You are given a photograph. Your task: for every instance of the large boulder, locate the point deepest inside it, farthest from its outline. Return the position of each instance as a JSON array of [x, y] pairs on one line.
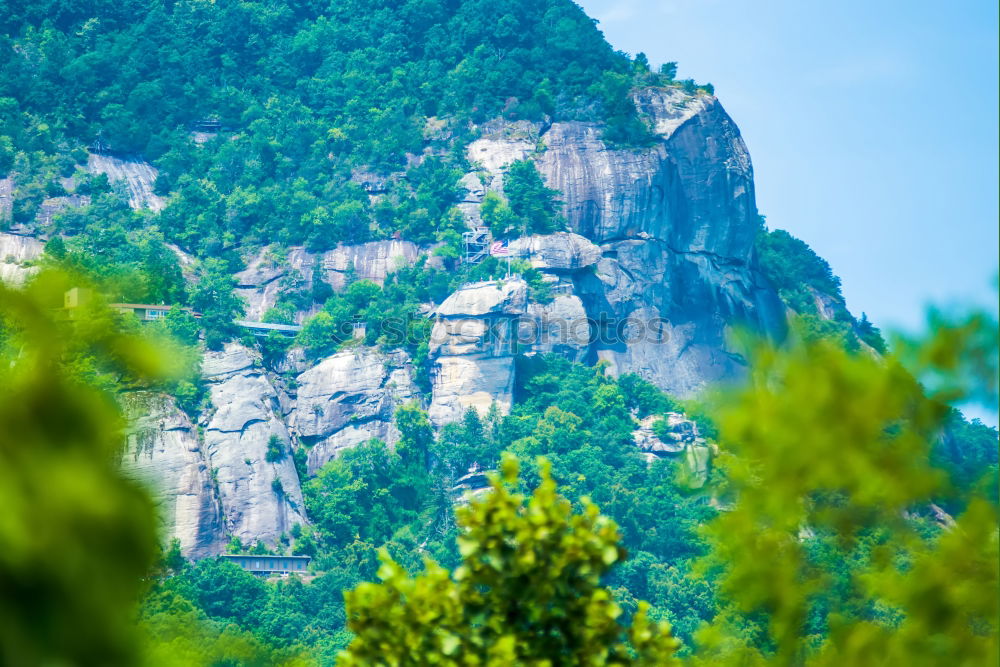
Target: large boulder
[[260, 499], [483, 299], [164, 451], [349, 398], [559, 252], [472, 345]]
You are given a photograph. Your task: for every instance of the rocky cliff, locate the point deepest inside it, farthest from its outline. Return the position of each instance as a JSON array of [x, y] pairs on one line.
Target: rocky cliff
[[266, 274], [260, 498], [347, 399], [133, 174], [17, 253], [653, 270], [165, 451], [668, 231]]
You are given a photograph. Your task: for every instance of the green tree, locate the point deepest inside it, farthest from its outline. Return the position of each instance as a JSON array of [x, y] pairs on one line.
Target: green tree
[[827, 455], [528, 592], [537, 206], [499, 217], [214, 297], [275, 449]]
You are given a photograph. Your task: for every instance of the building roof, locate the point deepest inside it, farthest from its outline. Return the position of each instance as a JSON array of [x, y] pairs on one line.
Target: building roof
[[265, 556], [268, 325], [157, 306]]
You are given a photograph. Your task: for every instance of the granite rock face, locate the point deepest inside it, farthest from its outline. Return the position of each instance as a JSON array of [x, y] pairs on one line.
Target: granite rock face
[[215, 482], [163, 450], [260, 500], [661, 250], [559, 252], [559, 327], [16, 252], [349, 398], [653, 271], [135, 175], [261, 282], [472, 345]]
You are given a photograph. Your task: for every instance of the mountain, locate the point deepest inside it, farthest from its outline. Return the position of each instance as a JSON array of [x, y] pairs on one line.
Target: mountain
[[398, 238], [659, 238], [267, 178]]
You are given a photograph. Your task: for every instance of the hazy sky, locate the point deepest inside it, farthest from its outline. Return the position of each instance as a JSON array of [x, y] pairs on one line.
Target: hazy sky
[[872, 127]]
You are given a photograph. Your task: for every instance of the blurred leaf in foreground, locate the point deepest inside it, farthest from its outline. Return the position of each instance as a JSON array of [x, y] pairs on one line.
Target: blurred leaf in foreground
[[76, 536], [829, 544]]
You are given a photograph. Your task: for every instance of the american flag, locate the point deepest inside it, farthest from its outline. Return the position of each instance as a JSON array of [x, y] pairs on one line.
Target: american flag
[[499, 249]]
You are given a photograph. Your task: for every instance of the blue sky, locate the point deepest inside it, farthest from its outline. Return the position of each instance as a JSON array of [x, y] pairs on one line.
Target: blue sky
[[872, 127]]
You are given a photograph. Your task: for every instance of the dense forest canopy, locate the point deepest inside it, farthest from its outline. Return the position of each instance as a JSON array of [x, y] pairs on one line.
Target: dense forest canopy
[[295, 99]]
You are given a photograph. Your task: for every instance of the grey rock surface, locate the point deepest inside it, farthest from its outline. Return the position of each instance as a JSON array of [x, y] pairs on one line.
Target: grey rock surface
[[562, 251], [16, 253], [163, 450], [662, 244], [349, 398], [559, 327], [261, 282], [260, 500], [135, 174], [472, 345]]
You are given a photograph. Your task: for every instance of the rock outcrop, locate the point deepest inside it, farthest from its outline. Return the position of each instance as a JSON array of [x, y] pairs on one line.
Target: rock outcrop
[[557, 253], [164, 451], [674, 224], [134, 174], [16, 254], [680, 438], [472, 344], [349, 398], [266, 274], [367, 261], [260, 499], [680, 433]]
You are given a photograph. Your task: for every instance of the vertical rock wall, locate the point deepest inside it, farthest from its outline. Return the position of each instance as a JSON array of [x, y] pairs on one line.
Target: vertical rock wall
[[472, 344], [164, 451], [260, 499], [674, 225]]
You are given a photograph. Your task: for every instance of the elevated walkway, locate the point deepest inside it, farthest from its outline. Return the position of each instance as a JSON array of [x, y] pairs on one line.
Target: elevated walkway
[[263, 329]]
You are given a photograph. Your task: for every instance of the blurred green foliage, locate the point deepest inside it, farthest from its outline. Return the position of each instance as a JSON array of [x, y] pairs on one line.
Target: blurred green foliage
[[77, 536], [829, 547]]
